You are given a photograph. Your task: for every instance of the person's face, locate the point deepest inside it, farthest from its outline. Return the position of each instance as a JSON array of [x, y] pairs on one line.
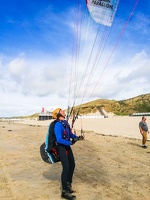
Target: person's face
[[62, 112]]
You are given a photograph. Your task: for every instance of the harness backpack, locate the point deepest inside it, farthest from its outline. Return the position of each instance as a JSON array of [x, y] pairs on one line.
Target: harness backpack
[[48, 150]]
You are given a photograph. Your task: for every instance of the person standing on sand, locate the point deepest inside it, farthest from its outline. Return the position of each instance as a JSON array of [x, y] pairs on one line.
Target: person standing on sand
[[65, 138], [143, 130]]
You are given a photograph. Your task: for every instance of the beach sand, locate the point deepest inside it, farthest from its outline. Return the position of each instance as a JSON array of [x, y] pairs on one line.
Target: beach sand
[[110, 163]]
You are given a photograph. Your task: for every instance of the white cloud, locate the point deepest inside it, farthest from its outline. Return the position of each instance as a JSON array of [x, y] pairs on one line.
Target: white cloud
[[17, 66], [45, 82], [131, 79]]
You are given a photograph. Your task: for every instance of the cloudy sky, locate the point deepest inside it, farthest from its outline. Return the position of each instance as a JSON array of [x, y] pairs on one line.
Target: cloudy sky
[[52, 53]]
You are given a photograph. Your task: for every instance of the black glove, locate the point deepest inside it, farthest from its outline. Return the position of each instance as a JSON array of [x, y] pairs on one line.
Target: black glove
[[74, 140]]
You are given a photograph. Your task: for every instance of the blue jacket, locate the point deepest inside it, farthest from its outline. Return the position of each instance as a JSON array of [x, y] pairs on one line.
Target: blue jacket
[[63, 133]]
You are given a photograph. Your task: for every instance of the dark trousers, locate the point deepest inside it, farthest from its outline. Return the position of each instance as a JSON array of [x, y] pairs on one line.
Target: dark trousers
[[68, 165]]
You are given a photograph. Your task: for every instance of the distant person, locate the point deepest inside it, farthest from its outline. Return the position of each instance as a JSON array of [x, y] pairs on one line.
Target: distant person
[[143, 130], [65, 138]]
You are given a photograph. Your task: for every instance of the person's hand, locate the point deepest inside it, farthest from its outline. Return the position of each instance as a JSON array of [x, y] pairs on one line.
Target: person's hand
[[74, 140]]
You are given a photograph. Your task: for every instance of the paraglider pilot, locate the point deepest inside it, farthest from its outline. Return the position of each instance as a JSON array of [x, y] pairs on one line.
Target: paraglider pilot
[[65, 138]]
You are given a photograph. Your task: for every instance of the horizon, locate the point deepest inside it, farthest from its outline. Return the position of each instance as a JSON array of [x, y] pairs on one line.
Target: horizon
[[50, 109]]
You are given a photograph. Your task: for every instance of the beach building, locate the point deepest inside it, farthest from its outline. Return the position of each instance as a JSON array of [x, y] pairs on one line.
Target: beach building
[[45, 115]]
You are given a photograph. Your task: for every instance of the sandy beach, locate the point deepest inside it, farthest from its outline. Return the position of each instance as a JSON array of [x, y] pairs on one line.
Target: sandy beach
[[110, 163]]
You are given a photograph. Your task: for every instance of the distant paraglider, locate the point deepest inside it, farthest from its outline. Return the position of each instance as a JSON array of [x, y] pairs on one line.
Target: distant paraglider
[[102, 11]]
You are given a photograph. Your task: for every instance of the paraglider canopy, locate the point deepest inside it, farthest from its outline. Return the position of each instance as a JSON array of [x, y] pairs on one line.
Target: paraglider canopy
[[102, 11]]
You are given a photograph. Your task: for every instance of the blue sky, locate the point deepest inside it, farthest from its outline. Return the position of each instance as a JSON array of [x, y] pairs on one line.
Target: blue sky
[[46, 56]]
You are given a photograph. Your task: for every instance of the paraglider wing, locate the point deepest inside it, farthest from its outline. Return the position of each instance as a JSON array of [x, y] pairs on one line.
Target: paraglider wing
[[102, 11]]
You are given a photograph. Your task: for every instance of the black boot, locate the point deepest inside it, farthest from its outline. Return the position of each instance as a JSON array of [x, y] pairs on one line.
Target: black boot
[[70, 188], [67, 195]]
